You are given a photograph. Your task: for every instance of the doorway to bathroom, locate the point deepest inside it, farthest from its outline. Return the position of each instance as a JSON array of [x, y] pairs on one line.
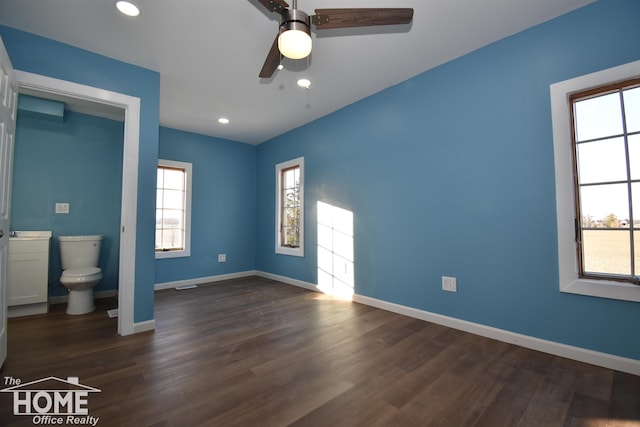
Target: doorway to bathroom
[[104, 103]]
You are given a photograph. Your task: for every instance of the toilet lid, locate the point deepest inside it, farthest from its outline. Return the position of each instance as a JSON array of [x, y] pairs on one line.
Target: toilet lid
[[77, 272]]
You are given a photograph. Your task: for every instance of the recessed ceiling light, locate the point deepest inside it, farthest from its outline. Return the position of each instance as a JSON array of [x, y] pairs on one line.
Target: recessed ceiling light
[[280, 67], [223, 120], [127, 8], [305, 83]]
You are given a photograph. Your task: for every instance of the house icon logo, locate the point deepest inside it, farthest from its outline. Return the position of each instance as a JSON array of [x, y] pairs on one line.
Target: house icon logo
[[52, 400]]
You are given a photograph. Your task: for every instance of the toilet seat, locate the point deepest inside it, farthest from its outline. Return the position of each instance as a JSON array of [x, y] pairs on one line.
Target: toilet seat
[[80, 272], [81, 275]]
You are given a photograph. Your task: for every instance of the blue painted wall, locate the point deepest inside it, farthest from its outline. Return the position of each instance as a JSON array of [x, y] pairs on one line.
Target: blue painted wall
[[448, 173], [43, 56], [452, 173], [78, 161], [223, 205]]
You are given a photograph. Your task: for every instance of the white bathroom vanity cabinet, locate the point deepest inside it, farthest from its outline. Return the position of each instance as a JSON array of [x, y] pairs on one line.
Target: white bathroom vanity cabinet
[[28, 273]]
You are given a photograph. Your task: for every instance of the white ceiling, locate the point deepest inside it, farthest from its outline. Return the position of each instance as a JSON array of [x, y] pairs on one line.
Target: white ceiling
[[209, 53]]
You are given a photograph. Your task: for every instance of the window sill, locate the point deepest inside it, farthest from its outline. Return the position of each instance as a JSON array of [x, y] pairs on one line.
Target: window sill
[[282, 250], [172, 254], [603, 289]]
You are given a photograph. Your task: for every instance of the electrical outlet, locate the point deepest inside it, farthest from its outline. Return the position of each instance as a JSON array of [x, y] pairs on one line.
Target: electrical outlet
[[62, 208], [222, 257], [449, 284]]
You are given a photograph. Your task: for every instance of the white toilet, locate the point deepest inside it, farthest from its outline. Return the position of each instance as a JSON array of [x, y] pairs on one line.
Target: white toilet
[[79, 256]]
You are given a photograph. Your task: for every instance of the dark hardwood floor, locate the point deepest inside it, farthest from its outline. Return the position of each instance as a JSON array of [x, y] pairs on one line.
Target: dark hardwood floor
[[255, 352]]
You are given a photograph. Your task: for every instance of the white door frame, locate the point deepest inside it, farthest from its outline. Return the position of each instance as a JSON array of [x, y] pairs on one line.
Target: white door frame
[[131, 107]]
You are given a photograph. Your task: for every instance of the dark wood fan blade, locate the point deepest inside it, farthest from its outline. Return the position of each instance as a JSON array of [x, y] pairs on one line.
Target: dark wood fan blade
[[274, 5], [343, 18], [273, 60]]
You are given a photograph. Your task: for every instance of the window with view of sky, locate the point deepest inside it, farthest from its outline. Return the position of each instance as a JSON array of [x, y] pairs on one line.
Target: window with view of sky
[[173, 209], [606, 131]]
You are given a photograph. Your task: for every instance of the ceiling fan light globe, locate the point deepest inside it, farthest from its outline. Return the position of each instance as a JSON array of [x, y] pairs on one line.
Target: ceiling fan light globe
[[294, 44]]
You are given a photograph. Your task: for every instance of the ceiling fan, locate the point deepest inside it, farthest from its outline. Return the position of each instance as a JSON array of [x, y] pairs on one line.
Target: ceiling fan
[[294, 36]]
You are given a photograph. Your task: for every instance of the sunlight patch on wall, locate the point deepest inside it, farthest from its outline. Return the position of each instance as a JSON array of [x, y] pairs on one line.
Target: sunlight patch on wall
[[335, 251]]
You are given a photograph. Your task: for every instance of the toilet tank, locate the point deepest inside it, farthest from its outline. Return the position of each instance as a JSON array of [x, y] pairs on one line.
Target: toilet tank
[[79, 251]]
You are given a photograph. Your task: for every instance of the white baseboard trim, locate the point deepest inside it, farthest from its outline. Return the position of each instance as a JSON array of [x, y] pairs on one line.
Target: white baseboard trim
[[147, 325], [203, 280], [289, 281], [60, 299], [605, 360]]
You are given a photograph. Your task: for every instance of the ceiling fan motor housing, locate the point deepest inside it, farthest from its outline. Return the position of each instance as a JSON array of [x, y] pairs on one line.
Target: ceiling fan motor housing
[[293, 19]]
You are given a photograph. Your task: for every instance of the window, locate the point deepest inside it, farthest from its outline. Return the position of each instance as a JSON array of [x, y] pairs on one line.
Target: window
[[290, 207], [173, 209], [606, 138], [596, 131]]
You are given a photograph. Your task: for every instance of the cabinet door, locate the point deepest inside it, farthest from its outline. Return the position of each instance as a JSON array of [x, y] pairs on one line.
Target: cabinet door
[[27, 278]]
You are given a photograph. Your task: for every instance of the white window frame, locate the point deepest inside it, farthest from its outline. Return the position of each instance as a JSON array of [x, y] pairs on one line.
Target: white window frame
[[187, 167], [570, 281], [284, 250]]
